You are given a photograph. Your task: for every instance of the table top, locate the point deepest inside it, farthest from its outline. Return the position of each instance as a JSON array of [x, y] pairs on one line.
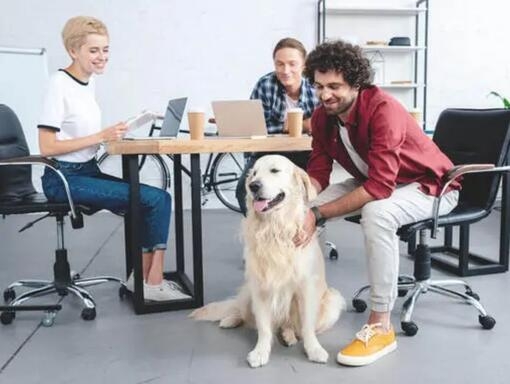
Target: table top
[[210, 145]]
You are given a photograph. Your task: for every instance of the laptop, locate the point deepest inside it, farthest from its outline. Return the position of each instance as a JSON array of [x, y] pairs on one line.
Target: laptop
[[171, 121], [239, 118]]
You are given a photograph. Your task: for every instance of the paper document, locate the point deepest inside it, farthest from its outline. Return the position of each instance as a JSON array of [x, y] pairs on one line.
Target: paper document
[[140, 120]]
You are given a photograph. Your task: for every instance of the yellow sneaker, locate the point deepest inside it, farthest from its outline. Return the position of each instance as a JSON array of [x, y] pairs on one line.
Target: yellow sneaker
[[370, 344]]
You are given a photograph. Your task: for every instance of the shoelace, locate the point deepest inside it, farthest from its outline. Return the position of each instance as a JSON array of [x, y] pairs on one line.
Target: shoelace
[[172, 285], [366, 332]]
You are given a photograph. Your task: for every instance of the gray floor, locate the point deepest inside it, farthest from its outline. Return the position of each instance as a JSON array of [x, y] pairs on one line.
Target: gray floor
[[120, 346]]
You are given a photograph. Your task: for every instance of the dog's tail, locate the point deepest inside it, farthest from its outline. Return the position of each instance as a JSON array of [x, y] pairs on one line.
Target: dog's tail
[[332, 304], [226, 312], [214, 311]]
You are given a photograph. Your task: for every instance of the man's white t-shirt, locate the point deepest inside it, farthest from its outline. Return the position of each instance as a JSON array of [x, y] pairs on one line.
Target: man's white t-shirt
[[290, 104], [70, 109], [355, 157]]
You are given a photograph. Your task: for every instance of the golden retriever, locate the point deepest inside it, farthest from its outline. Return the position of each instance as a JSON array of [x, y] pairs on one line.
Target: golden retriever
[[285, 288]]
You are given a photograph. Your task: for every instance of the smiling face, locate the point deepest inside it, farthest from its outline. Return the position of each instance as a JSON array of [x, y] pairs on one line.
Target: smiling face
[[288, 65], [274, 183], [334, 93], [91, 57], [268, 183]]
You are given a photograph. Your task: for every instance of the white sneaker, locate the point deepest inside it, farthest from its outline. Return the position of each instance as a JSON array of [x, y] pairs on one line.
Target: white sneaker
[[130, 283], [167, 290]]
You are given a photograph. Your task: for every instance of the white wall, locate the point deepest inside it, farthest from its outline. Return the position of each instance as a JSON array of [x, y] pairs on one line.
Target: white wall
[[469, 55], [217, 49], [161, 49]]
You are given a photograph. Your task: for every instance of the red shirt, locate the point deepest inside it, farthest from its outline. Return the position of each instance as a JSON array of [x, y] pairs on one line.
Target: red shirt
[[389, 141]]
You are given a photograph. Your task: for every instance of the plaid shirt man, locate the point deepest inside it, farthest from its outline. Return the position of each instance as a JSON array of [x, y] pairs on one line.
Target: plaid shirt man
[[272, 94]]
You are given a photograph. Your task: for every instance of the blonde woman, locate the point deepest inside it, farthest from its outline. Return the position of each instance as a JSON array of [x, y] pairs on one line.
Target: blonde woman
[[70, 132]]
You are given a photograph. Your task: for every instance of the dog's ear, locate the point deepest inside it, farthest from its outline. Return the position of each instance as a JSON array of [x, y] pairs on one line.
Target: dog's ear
[[247, 181], [304, 181]]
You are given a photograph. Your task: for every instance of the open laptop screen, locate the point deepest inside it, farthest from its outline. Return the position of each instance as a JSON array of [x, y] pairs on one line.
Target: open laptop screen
[[239, 118], [173, 117]]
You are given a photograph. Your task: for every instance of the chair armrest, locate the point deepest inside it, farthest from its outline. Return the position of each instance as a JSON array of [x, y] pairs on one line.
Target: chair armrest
[[459, 170], [33, 160], [454, 174], [50, 163]]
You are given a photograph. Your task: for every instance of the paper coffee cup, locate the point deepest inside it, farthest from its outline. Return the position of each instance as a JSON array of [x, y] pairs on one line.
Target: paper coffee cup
[[196, 123], [295, 122], [417, 115]]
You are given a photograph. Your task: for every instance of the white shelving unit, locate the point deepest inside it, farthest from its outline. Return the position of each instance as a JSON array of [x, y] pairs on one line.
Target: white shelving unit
[[336, 10], [392, 48], [400, 70], [400, 86]]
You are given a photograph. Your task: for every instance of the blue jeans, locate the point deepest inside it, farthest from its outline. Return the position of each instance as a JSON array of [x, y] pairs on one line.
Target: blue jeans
[[90, 187]]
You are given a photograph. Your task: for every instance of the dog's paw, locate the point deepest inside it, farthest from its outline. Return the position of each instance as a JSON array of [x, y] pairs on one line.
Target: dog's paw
[[288, 337], [317, 354], [257, 358], [231, 321]]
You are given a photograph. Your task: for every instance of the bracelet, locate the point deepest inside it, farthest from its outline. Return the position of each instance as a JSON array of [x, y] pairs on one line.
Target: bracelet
[[319, 219]]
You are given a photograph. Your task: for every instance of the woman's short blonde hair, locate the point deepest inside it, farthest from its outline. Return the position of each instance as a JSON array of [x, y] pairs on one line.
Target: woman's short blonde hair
[[78, 28]]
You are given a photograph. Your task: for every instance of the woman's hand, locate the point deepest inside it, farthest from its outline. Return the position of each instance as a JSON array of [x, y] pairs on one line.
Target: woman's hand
[[114, 133]]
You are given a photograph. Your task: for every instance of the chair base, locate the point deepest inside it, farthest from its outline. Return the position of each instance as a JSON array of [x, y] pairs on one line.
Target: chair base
[[74, 285], [409, 286], [459, 260]]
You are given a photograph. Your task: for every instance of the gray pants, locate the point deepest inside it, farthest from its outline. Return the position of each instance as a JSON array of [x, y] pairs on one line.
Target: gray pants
[[380, 220]]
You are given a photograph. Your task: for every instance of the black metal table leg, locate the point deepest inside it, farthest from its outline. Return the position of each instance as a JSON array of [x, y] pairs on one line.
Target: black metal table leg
[[196, 218], [132, 226], [132, 222]]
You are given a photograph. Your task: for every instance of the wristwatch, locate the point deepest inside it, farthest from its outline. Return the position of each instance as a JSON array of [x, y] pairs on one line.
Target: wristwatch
[[319, 219]]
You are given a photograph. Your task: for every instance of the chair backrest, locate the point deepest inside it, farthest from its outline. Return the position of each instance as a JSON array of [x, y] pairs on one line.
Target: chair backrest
[[15, 180], [475, 136]]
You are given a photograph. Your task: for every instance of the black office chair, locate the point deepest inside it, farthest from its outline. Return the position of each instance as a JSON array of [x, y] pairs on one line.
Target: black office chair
[[477, 142], [18, 196]]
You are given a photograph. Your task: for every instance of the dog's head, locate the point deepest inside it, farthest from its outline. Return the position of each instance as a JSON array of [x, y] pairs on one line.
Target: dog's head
[[274, 182]]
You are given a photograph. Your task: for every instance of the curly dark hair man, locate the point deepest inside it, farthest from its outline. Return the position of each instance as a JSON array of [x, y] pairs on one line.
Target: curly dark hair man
[[375, 139], [342, 57]]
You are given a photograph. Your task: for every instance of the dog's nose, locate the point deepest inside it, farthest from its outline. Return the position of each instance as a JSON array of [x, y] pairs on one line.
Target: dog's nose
[[255, 186]]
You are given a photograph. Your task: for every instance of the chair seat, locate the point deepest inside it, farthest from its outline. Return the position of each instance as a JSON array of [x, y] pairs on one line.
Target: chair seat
[[37, 202], [462, 214]]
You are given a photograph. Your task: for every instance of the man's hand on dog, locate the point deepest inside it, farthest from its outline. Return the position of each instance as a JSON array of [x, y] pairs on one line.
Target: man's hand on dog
[[306, 232]]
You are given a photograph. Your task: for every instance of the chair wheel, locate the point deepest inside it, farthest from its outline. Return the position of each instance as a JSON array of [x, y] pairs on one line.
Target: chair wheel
[[88, 313], [359, 305], [7, 317], [473, 295], [333, 254], [123, 291], [49, 318], [402, 292], [9, 295], [409, 327], [487, 322]]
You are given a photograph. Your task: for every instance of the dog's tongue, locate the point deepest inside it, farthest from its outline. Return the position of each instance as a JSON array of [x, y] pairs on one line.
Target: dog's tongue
[[260, 205]]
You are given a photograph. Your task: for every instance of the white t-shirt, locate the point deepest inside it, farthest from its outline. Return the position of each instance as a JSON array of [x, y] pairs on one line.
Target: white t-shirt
[[290, 103], [70, 108], [355, 157]]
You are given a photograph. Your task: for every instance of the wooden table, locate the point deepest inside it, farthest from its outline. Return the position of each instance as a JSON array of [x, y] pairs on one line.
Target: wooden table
[[130, 150]]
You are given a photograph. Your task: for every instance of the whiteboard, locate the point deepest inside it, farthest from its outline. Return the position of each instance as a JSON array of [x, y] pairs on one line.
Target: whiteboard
[[23, 79]]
